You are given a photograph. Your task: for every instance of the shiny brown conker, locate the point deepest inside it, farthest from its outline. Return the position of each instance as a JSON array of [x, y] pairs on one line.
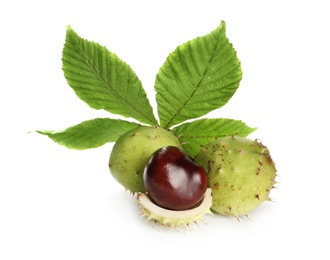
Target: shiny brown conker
[[173, 180]]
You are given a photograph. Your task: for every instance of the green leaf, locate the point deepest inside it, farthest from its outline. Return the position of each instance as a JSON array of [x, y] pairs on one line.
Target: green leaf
[[103, 81], [199, 76], [193, 135], [91, 133]]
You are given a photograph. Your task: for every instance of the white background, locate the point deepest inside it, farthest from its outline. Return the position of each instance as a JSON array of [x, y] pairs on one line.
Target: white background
[[57, 203]]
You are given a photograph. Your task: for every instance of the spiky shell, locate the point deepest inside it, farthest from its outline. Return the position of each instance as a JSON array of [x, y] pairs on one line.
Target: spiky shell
[[173, 218], [132, 151], [241, 174]]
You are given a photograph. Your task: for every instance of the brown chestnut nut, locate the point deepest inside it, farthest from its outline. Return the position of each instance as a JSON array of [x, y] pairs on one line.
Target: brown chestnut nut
[[173, 180]]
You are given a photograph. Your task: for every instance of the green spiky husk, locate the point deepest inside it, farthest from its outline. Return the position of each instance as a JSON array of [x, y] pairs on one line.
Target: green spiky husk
[[132, 151], [241, 174]]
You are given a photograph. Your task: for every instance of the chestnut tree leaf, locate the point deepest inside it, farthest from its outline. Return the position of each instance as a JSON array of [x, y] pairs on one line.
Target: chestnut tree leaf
[[193, 135], [197, 77], [91, 133], [101, 79]]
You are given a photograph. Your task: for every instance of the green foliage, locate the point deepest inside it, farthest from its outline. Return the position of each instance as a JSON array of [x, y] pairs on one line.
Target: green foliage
[[199, 76], [198, 133], [91, 133], [103, 81]]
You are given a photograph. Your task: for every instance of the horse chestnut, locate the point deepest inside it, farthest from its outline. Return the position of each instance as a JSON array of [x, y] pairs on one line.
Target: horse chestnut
[[132, 151], [173, 180]]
